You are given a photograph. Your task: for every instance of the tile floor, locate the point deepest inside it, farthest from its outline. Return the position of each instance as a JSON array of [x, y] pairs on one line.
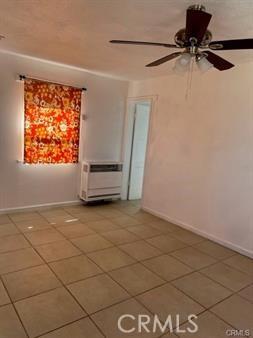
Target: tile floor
[[72, 271]]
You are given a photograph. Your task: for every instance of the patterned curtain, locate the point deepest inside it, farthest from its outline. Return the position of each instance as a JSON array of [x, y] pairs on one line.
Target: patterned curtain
[[52, 119]]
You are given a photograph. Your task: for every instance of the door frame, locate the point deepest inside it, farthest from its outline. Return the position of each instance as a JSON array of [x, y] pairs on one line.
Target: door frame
[[128, 138]]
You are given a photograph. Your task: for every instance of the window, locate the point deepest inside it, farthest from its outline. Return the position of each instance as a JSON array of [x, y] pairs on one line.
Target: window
[[52, 120]]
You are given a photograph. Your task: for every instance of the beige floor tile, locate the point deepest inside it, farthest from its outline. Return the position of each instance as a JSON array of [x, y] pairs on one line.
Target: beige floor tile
[[54, 212], [83, 328], [33, 225], [136, 278], [102, 225], [111, 258], [247, 293], [8, 229], [44, 236], [10, 326], [169, 335], [125, 221], [236, 311], [209, 326], [164, 226], [48, 311], [130, 210], [76, 268], [202, 289], [187, 237], [167, 300], [4, 219], [120, 236], [91, 243], [140, 250], [166, 243], [193, 257], [13, 242], [90, 216], [167, 267], [61, 220], [227, 276], [30, 282], [97, 293], [144, 231], [82, 213], [144, 216], [4, 298], [107, 320], [23, 216], [18, 260], [75, 230], [69, 221], [214, 249], [109, 213], [242, 263], [57, 250], [78, 214]]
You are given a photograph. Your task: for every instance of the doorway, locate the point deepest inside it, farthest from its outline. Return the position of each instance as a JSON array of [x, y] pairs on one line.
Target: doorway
[[136, 139]]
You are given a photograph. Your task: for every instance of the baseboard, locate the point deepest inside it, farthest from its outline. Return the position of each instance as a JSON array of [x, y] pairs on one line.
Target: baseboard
[[39, 206], [186, 226]]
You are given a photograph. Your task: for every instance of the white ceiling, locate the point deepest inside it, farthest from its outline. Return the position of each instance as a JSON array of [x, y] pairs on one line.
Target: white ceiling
[[76, 32]]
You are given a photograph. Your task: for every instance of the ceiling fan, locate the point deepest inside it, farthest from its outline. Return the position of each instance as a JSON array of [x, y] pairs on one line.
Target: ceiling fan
[[193, 39]]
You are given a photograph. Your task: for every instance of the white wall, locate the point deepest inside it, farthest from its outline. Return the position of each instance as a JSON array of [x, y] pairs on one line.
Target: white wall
[[22, 185], [199, 169]]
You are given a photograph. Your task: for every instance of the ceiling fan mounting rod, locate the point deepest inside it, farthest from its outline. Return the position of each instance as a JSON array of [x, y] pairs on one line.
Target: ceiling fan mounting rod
[[197, 7], [193, 48]]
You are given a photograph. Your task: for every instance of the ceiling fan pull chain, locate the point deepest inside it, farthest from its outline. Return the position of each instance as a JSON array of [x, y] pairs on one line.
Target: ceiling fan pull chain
[[189, 80]]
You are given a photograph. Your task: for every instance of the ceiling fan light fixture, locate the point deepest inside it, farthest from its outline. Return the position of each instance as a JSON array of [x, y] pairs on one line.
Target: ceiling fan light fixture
[[184, 59], [182, 64], [203, 64]]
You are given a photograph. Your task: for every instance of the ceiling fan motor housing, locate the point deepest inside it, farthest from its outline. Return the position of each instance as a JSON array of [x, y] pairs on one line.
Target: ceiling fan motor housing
[[180, 39]]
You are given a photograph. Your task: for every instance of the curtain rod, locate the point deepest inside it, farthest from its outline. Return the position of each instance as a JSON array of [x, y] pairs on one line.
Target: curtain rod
[[23, 77]]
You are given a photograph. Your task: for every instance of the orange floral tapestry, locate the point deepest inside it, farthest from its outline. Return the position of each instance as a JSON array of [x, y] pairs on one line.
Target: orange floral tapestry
[[52, 120]]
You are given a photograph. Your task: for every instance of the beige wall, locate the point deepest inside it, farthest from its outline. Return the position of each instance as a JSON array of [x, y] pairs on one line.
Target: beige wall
[[199, 170], [22, 185]]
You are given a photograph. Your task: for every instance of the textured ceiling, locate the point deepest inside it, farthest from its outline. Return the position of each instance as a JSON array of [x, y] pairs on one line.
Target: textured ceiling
[[76, 32]]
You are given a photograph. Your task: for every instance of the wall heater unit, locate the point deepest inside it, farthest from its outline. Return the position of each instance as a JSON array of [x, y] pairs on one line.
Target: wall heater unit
[[100, 180]]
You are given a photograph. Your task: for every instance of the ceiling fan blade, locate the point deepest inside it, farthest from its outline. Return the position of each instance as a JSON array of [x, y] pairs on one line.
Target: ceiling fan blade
[[217, 61], [164, 59], [232, 44], [197, 22], [126, 42]]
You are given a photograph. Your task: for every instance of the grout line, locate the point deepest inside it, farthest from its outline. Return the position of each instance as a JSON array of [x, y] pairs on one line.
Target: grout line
[[135, 296], [235, 268], [60, 327], [13, 306], [65, 287], [238, 293]]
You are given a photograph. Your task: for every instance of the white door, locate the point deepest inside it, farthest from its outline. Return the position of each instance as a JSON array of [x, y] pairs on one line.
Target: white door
[[139, 145]]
